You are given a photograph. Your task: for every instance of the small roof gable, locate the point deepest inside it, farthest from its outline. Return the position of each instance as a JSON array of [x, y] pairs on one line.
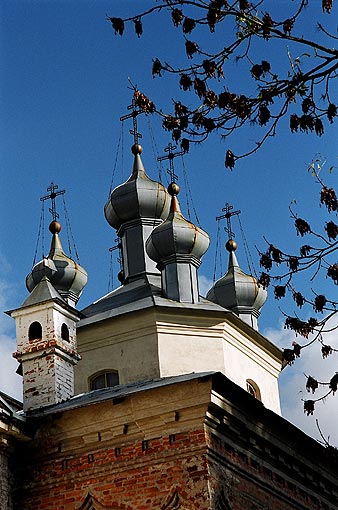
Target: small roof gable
[[44, 291]]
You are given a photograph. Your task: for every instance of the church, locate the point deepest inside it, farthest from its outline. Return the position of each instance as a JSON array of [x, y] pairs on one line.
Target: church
[[152, 397]]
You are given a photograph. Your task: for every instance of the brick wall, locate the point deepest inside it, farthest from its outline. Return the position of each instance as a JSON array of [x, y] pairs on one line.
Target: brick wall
[[172, 472], [178, 447], [160, 473], [5, 476], [263, 479], [47, 379], [184, 471]]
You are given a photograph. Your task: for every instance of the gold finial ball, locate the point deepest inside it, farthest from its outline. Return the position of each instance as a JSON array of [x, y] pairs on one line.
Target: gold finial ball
[[136, 149], [121, 276], [55, 227], [173, 189], [231, 245]]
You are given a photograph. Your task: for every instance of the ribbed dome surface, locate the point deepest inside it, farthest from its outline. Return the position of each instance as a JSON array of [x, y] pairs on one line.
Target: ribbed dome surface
[[66, 276], [138, 197], [237, 290], [176, 235]]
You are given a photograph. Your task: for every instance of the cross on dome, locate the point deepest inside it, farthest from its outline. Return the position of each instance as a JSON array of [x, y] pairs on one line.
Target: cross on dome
[[171, 155], [52, 196], [237, 291], [228, 214], [117, 246], [65, 275], [133, 115]]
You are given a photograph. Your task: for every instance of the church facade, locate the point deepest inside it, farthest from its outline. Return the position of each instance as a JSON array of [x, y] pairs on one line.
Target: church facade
[[152, 396]]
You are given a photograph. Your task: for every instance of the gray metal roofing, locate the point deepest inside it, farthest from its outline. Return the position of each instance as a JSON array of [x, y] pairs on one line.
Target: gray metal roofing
[[137, 295], [115, 392], [44, 291], [10, 407]]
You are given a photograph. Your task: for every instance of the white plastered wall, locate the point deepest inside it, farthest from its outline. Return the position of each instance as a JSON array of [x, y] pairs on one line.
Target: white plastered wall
[[186, 349], [151, 344], [127, 344]]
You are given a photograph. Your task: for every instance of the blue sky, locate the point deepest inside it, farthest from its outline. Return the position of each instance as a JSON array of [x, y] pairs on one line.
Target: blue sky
[[64, 85]]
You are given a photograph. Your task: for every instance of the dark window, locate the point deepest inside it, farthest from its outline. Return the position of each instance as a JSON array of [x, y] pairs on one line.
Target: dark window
[[35, 331], [65, 332], [105, 379]]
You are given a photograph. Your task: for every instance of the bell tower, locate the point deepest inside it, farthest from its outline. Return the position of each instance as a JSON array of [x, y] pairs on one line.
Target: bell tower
[[46, 346], [46, 324]]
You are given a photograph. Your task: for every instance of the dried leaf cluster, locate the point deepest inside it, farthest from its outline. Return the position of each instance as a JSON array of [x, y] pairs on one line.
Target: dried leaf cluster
[[319, 256], [302, 90]]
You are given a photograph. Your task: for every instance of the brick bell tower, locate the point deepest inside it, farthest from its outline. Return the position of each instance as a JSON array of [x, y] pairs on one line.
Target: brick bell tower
[[46, 324]]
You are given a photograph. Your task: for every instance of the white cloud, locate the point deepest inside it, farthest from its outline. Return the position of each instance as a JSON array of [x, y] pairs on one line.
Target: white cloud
[[292, 386], [10, 382], [205, 284]]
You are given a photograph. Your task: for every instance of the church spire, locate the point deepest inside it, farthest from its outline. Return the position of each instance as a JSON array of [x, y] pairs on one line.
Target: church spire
[[134, 209], [236, 290], [66, 275], [46, 323]]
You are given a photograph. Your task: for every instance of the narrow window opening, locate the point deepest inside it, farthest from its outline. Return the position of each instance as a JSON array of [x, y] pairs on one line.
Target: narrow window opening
[[65, 332], [35, 331], [172, 438]]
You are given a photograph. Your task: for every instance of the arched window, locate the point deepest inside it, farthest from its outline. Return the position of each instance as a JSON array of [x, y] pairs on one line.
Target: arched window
[[104, 379], [253, 389], [35, 331], [65, 332]]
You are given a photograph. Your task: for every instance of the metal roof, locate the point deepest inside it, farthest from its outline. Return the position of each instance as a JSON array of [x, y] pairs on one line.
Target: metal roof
[[10, 407], [138, 295], [43, 291], [115, 393]]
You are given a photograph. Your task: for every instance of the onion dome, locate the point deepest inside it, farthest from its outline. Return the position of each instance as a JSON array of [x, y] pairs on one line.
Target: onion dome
[[66, 276], [138, 197], [238, 291], [176, 235], [177, 246]]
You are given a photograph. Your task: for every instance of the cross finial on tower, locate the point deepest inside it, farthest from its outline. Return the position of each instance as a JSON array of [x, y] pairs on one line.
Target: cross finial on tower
[[134, 113], [117, 246], [228, 214], [52, 195], [171, 155]]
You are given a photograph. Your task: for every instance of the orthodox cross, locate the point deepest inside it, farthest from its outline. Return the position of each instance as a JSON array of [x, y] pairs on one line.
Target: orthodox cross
[[133, 115], [117, 246], [228, 214], [171, 155], [52, 195]]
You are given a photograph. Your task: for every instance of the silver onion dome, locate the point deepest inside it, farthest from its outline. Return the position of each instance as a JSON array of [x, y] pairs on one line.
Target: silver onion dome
[[66, 276], [238, 291], [138, 197], [176, 235]]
